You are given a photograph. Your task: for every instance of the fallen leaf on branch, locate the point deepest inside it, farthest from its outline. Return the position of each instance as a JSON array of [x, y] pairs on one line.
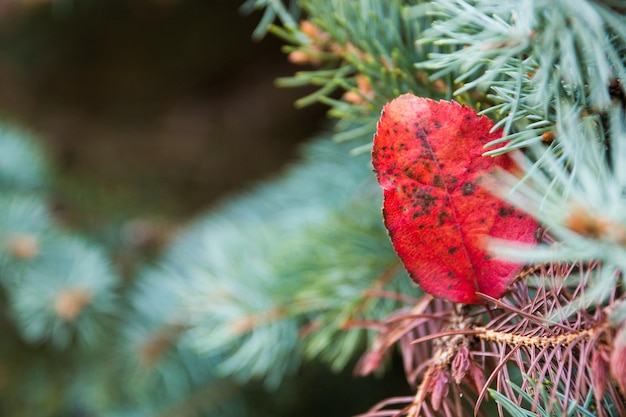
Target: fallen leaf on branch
[[428, 158]]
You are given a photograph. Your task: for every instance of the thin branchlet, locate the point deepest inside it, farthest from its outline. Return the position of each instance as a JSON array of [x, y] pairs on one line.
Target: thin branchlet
[[535, 341]]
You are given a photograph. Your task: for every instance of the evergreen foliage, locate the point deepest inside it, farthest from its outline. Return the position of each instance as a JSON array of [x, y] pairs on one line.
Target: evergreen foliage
[[300, 258], [300, 268]]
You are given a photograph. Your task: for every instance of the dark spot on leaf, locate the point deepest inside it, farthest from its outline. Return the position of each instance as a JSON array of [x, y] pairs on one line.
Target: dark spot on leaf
[[424, 199], [438, 181], [437, 124], [443, 216], [409, 171], [468, 188], [452, 250], [506, 211]]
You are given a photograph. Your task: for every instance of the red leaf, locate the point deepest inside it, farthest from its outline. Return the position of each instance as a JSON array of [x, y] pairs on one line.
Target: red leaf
[[428, 159]]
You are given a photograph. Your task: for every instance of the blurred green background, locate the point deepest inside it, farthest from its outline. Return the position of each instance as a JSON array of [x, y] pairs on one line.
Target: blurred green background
[[165, 104], [151, 111]]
